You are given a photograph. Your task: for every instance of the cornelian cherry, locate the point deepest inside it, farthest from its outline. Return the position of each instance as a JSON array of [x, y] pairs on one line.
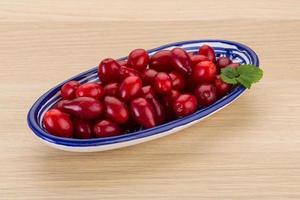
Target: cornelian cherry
[[143, 112], [185, 105], [108, 71], [111, 89], [115, 110], [68, 90], [106, 128], [148, 76], [138, 59], [162, 61], [209, 52], [83, 129], [206, 94], [204, 72], [178, 81], [90, 90], [130, 88], [222, 88], [58, 123], [162, 83]]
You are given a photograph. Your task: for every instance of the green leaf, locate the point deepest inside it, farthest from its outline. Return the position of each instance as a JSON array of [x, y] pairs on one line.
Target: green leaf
[[230, 72], [245, 75], [244, 81], [253, 73], [228, 80]]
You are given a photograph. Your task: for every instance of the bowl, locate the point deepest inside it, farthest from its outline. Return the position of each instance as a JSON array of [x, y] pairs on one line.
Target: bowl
[[236, 51]]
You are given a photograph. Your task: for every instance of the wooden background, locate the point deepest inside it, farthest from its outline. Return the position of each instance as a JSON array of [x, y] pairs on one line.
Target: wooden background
[[249, 150]]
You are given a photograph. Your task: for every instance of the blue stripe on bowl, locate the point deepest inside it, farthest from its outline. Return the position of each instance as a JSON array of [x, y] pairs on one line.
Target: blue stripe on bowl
[[236, 51]]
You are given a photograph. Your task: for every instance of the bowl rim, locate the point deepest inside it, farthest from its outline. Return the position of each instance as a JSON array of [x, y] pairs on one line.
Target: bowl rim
[[72, 142]]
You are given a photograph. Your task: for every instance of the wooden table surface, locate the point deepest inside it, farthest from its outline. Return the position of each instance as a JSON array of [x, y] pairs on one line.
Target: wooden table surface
[[249, 150]]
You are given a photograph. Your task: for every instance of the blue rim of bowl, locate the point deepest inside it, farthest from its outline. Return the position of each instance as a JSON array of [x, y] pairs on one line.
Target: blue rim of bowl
[[71, 142]]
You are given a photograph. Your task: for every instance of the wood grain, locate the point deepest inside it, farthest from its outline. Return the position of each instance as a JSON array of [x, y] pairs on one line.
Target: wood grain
[[249, 150]]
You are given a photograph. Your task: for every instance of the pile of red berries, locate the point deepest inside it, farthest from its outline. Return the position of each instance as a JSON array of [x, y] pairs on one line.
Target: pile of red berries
[[142, 91]]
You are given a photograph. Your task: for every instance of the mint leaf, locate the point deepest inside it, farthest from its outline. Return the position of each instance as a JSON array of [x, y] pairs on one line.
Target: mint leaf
[[230, 72], [244, 81], [245, 75], [228, 80], [253, 73]]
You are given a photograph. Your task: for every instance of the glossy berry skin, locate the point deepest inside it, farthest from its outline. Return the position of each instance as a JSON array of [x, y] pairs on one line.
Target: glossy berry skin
[[115, 110], [68, 90], [106, 128], [83, 129], [147, 92], [204, 72], [108, 71], [59, 105], [169, 98], [84, 107], [185, 105], [222, 62], [178, 81], [58, 123], [111, 89], [209, 52], [90, 90], [148, 76], [222, 88], [130, 88], [206, 94], [195, 59], [126, 71], [159, 111], [162, 61], [122, 63], [162, 83], [138, 59], [181, 61], [142, 112]]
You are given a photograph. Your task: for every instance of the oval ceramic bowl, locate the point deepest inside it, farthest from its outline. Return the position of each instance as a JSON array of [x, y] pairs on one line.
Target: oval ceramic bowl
[[236, 51]]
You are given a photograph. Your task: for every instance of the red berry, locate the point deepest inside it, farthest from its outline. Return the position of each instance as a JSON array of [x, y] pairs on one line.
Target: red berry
[[126, 71], [178, 81], [198, 58], [82, 129], [122, 63], [234, 65], [148, 76], [158, 110], [143, 112], [208, 52], [59, 105], [84, 107], [90, 90], [147, 92], [222, 88], [181, 61], [108, 71], [115, 110], [162, 83], [222, 62], [111, 89], [58, 123], [162, 61], [204, 72], [205, 94], [106, 128], [138, 59], [185, 105], [130, 88], [169, 98], [68, 90]]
